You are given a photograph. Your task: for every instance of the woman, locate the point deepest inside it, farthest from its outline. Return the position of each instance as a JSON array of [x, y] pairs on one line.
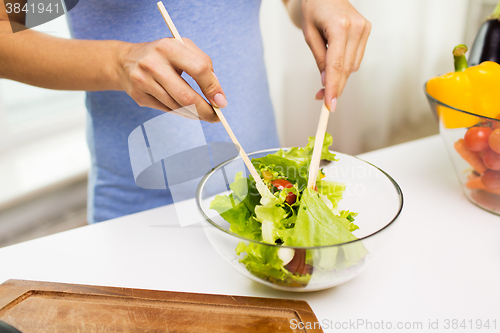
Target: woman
[[132, 73]]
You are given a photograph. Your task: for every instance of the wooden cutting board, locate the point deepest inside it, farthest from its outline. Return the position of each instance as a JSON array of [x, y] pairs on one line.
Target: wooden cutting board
[[32, 306]]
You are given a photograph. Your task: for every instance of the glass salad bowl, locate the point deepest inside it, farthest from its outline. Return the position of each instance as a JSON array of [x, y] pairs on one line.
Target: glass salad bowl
[[473, 144], [369, 191]]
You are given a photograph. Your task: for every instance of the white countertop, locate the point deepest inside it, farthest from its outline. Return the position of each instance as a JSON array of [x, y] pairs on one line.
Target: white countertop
[[443, 263]]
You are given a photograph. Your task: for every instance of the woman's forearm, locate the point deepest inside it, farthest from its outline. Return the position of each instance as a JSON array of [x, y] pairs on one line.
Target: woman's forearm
[[150, 73], [41, 60]]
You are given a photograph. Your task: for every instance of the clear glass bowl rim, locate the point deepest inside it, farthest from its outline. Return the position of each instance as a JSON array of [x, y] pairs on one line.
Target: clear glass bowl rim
[[451, 107], [205, 178]]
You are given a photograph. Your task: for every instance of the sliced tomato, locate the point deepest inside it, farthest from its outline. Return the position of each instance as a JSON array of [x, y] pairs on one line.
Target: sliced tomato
[[281, 184]]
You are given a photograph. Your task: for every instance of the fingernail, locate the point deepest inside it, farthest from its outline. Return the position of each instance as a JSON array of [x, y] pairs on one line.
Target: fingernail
[[333, 105], [320, 94], [215, 76], [220, 100], [323, 78]]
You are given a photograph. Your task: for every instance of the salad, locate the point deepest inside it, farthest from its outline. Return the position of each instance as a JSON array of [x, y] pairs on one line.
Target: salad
[[290, 215]]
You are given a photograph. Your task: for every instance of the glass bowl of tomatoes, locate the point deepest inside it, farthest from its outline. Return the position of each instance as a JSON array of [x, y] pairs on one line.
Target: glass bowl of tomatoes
[[473, 143]]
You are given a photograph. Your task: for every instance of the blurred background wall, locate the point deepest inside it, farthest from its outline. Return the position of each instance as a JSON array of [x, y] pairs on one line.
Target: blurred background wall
[[383, 103], [43, 154]]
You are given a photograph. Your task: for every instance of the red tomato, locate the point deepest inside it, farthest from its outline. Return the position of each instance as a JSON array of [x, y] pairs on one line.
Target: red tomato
[[291, 198], [476, 138], [491, 160], [491, 180], [281, 184], [494, 141]]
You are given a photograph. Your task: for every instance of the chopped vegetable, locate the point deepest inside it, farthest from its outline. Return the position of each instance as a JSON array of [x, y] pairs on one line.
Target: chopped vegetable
[[267, 175], [291, 215]]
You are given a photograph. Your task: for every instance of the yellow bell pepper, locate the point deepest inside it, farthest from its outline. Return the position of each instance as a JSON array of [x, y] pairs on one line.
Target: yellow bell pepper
[[472, 89], [485, 87]]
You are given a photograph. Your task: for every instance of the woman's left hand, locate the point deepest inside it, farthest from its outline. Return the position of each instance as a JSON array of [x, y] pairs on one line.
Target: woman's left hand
[[337, 35]]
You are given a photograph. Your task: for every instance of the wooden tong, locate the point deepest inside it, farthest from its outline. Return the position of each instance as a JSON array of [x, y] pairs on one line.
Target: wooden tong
[[318, 143], [261, 187]]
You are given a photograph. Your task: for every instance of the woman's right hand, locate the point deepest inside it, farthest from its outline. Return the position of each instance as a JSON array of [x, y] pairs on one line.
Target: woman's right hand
[[151, 75]]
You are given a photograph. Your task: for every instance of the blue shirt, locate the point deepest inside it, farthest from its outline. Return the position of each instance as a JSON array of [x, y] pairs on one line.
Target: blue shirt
[[228, 31]]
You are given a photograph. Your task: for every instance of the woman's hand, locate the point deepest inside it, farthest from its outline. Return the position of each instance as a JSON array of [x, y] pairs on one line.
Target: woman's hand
[[151, 75], [337, 35]]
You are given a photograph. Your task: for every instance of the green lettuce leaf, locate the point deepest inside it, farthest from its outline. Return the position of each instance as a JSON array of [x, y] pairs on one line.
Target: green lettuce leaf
[[263, 262], [316, 225], [325, 153], [294, 163], [269, 215], [332, 190], [349, 216], [238, 208], [244, 190]]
